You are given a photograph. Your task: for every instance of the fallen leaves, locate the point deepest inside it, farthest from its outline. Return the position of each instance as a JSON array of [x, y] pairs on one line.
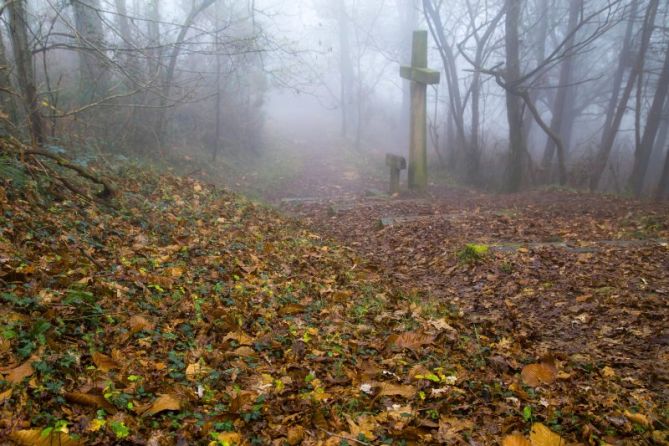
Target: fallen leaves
[[389, 389], [516, 440], [6, 395], [138, 323], [162, 403], [535, 375], [103, 362], [34, 437], [248, 327], [17, 375], [90, 400], [540, 435], [637, 418], [409, 340]]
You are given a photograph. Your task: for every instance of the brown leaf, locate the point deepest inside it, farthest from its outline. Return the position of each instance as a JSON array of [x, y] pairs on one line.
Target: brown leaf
[[535, 375], [33, 437], [90, 400], [516, 440], [542, 436], [411, 340], [244, 351], [389, 389], [637, 418], [4, 396], [364, 425], [104, 363], [138, 323], [25, 370], [295, 435], [241, 338], [164, 402], [290, 309]]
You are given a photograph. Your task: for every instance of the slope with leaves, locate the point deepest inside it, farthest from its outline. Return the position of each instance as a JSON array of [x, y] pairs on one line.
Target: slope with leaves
[[176, 313]]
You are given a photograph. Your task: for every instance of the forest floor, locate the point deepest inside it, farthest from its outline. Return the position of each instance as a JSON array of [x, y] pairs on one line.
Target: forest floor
[[178, 313]]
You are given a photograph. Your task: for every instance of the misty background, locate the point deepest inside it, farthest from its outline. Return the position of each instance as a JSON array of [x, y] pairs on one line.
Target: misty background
[[532, 92]]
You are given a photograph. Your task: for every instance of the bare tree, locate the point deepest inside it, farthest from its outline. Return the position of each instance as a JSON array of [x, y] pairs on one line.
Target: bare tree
[[643, 152], [564, 91], [93, 70], [617, 108], [18, 31], [514, 112]]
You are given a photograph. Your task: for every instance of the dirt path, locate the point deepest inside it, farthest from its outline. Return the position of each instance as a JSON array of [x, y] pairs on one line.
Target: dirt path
[[601, 312]]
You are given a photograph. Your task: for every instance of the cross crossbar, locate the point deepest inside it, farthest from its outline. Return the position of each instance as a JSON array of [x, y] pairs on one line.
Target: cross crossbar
[[421, 75]]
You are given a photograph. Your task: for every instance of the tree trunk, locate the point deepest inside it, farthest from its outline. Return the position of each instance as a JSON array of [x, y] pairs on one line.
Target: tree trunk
[[517, 144], [662, 192], [345, 69], [450, 70], [642, 156], [18, 30], [7, 103], [93, 70], [171, 67], [618, 108], [123, 24], [564, 91]]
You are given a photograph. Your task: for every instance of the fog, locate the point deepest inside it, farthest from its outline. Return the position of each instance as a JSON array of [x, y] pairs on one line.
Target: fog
[[531, 92]]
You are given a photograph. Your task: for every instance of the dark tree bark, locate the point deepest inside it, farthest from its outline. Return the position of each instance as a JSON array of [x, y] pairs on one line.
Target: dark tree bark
[[7, 103], [517, 143], [93, 69], [18, 30], [450, 70], [662, 192], [642, 156], [617, 108], [172, 64], [565, 90]]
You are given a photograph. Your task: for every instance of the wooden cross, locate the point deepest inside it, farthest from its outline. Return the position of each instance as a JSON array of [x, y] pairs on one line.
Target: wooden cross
[[420, 77]]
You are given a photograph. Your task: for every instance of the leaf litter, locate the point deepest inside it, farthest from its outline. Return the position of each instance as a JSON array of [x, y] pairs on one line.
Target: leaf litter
[[185, 314]]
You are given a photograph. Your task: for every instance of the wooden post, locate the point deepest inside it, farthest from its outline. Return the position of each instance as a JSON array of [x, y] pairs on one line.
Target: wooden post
[[396, 164], [420, 77]]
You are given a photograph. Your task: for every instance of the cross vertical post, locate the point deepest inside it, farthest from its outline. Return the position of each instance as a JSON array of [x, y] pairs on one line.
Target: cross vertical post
[[420, 77]]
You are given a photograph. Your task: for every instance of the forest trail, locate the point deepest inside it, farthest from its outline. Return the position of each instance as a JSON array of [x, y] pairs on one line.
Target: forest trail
[[179, 313], [575, 277]]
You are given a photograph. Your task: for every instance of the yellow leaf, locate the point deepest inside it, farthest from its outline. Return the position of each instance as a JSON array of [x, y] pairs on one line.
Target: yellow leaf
[[229, 438], [535, 375], [364, 425], [25, 370], [241, 338], [295, 435], [542, 436], [515, 440], [164, 402], [33, 437], [388, 389], [104, 363], [196, 369], [637, 418], [608, 372], [291, 309], [4, 396], [96, 425]]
